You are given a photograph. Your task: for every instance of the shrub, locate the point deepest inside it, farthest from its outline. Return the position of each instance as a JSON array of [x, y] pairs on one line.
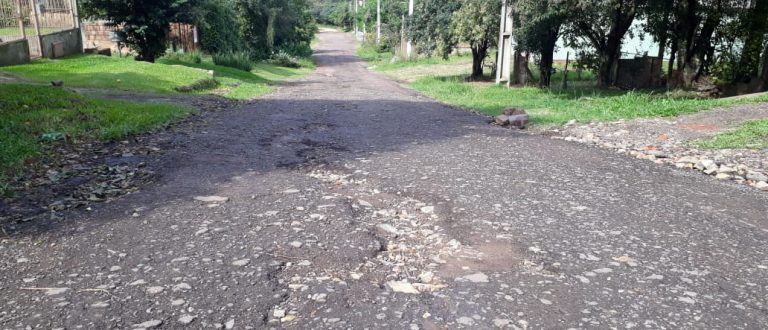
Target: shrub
[[189, 57], [237, 60], [200, 85], [284, 59], [297, 49], [219, 28]]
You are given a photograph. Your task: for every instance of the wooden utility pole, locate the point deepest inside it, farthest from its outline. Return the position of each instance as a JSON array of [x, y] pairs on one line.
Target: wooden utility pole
[[565, 72], [36, 11], [356, 29], [378, 21], [409, 45], [21, 19], [505, 60]]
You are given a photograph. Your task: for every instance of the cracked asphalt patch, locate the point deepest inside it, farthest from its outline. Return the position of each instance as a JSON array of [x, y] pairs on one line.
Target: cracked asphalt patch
[[346, 201]]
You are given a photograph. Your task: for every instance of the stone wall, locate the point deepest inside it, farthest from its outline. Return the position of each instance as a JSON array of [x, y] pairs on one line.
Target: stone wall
[[14, 52], [62, 43], [639, 73]]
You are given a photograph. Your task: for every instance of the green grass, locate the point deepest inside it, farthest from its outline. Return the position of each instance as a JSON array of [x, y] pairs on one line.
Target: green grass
[[29, 112], [581, 101], [125, 74], [560, 106], [752, 135], [29, 30]]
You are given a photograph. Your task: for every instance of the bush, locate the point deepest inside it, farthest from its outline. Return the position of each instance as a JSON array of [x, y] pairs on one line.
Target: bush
[[200, 85], [284, 59], [219, 28], [237, 60], [297, 49], [189, 57]]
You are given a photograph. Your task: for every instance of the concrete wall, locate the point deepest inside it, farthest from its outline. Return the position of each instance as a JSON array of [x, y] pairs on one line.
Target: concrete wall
[[62, 43], [14, 52]]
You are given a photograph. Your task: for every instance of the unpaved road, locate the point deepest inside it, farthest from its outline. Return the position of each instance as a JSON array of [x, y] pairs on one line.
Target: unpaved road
[[355, 203]]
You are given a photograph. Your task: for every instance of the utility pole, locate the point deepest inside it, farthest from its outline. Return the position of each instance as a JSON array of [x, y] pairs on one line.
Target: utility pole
[[378, 22], [505, 61], [409, 45], [356, 29]]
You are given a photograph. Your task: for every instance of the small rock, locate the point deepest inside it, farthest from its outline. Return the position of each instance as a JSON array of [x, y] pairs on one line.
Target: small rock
[[402, 287], [723, 176], [388, 229], [212, 199], [100, 304], [278, 313], [428, 209], [230, 324], [187, 319], [502, 120], [501, 323], [757, 176], [241, 263], [149, 324], [465, 320], [296, 244], [475, 278], [155, 289], [762, 185], [178, 302], [519, 121]]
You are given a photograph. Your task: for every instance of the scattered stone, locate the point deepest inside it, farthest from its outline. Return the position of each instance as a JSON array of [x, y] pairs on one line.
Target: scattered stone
[[757, 176], [55, 291], [187, 319], [230, 324], [762, 185], [474, 278], [296, 244], [501, 323], [723, 176], [155, 289], [402, 287], [241, 263], [291, 191], [149, 324], [212, 199], [138, 282], [115, 268], [177, 302], [278, 313], [182, 287], [428, 209], [319, 297], [603, 270], [387, 229], [100, 304], [465, 320]]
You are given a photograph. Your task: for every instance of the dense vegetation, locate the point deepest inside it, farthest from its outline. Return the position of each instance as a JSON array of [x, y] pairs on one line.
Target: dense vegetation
[[703, 40], [258, 29]]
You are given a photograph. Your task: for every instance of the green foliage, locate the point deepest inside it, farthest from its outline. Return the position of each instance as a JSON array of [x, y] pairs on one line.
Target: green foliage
[[269, 24], [475, 24], [538, 31], [550, 106], [28, 112], [752, 135], [191, 57], [238, 60], [143, 24], [284, 59], [429, 27], [218, 26], [296, 49]]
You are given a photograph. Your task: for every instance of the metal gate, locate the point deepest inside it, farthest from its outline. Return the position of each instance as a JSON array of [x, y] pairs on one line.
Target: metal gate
[[33, 19]]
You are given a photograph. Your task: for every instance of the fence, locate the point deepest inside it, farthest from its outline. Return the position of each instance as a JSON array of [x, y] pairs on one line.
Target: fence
[[44, 24]]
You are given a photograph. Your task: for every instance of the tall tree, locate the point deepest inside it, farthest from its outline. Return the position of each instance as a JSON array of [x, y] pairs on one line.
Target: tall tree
[[477, 24], [604, 23], [429, 27], [539, 27], [269, 24], [143, 24], [755, 26]]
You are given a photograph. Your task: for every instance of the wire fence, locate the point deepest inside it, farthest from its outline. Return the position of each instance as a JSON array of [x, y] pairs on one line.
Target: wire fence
[[32, 19]]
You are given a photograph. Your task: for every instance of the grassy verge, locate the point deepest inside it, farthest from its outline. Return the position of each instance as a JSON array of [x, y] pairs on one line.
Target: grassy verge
[[444, 81], [163, 77], [32, 117], [752, 135]]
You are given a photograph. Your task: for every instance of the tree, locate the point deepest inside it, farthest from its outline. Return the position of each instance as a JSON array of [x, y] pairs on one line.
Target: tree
[[267, 25], [218, 26], [755, 26], [604, 23], [144, 24], [539, 25], [477, 23], [429, 27]]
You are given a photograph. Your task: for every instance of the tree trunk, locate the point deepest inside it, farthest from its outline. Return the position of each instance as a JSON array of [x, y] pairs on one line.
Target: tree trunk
[[764, 74], [756, 28], [479, 52], [547, 57], [521, 74]]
